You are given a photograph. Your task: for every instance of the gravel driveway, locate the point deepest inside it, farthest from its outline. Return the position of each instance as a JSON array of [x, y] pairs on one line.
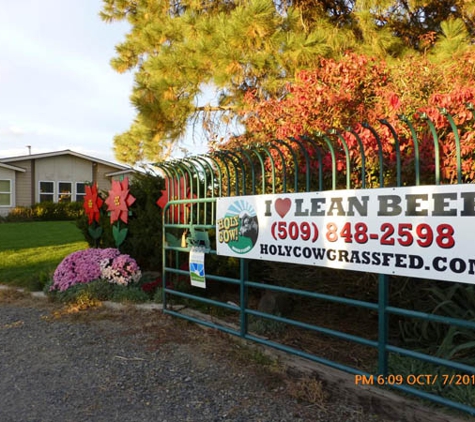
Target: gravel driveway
[[106, 365]]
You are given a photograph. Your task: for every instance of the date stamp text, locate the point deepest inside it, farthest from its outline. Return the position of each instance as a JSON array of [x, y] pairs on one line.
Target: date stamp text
[[416, 379]]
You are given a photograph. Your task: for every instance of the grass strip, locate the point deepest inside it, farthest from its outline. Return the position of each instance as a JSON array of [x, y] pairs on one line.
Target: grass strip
[[30, 252]]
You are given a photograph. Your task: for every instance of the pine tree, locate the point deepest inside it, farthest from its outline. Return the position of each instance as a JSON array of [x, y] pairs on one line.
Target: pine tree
[[178, 49]]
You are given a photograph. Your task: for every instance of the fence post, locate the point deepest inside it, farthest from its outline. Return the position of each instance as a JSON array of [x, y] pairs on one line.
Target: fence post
[[383, 323], [417, 161], [397, 150], [380, 152], [347, 156], [458, 154], [243, 278], [435, 138], [296, 162], [321, 135], [318, 150], [284, 168], [362, 154]]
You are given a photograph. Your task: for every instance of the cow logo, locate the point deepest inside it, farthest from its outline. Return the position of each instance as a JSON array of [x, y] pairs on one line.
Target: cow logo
[[239, 228]]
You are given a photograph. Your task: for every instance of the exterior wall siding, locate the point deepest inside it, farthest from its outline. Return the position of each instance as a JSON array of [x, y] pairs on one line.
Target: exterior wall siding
[[24, 197], [103, 182], [62, 169], [6, 174]]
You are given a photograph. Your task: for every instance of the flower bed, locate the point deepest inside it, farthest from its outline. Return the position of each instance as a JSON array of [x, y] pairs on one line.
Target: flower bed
[[93, 264]]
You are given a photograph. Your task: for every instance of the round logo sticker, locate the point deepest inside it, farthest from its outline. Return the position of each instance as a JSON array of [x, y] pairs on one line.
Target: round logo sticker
[[239, 228]]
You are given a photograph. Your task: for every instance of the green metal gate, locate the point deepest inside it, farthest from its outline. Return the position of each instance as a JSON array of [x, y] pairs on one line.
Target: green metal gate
[[298, 165]]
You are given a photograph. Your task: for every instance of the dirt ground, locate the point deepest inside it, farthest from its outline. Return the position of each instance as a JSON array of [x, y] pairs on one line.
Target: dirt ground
[[142, 352]]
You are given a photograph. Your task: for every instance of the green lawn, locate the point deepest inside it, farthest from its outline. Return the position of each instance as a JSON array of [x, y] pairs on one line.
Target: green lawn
[[30, 252]]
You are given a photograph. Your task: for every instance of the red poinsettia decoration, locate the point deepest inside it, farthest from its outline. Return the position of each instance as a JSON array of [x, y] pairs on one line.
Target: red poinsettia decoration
[[92, 204], [119, 201], [176, 189]]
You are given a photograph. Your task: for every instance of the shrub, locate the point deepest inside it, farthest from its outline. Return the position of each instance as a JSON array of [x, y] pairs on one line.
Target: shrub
[[106, 240], [453, 300], [45, 211], [343, 93], [92, 264], [151, 286], [462, 393], [51, 211], [97, 290], [144, 241], [130, 294]]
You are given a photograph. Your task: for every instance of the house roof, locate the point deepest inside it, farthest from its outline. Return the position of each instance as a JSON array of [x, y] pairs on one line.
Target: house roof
[[119, 167], [9, 167]]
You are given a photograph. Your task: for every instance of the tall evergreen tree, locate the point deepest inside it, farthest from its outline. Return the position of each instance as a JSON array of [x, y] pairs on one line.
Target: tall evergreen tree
[[178, 48]]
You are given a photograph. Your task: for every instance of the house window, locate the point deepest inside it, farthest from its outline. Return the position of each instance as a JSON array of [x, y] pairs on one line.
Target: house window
[[46, 191], [80, 192], [5, 193], [65, 191]]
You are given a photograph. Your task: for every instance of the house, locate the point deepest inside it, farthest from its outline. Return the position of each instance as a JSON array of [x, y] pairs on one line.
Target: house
[[53, 176]]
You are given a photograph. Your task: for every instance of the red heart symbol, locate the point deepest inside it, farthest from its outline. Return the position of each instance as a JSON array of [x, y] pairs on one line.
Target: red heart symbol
[[282, 206]]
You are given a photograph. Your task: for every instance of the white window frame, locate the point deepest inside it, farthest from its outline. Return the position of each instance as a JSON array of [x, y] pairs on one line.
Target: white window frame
[[10, 204], [53, 196], [77, 194], [58, 192]]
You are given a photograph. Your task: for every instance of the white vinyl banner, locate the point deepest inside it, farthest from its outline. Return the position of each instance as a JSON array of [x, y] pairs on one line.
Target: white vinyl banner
[[419, 231]]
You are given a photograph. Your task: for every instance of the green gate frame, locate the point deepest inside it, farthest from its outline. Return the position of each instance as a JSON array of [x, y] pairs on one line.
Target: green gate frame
[[236, 172]]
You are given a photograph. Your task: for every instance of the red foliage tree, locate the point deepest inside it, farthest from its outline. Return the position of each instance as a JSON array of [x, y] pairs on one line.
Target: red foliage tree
[[357, 89]]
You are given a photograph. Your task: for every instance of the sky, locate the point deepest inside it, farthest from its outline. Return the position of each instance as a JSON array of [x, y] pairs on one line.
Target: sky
[[57, 88]]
